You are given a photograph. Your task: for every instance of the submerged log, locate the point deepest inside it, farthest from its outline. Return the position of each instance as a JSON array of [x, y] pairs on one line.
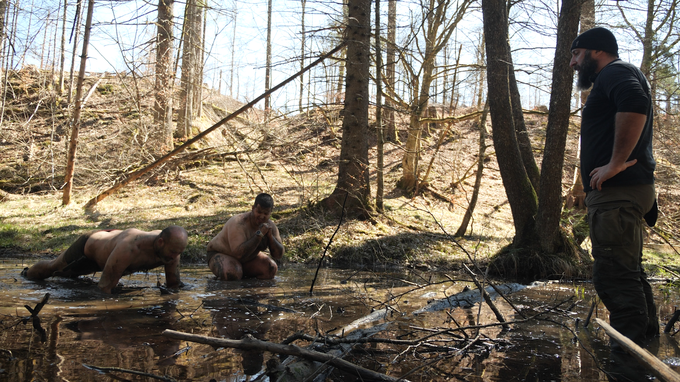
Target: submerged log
[[647, 359], [468, 298]]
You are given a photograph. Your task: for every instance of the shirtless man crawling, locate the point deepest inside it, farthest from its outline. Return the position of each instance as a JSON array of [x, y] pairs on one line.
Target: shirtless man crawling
[[117, 253], [236, 251]]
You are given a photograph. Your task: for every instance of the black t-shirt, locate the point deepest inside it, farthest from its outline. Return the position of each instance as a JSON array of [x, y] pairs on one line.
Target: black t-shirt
[[619, 87]]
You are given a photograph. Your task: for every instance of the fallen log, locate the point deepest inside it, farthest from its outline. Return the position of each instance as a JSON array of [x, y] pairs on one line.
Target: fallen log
[[250, 343], [294, 369], [647, 359], [468, 298]]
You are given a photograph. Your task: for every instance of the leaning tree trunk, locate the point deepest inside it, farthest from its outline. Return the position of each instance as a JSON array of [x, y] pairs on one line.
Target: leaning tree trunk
[[478, 176], [71, 159], [164, 74], [521, 194], [75, 34], [550, 190], [353, 171]]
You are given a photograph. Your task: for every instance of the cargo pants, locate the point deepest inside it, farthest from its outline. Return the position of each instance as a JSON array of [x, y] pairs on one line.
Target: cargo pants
[[616, 232]]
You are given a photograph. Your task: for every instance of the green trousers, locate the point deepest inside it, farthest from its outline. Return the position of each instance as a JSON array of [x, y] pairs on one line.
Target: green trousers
[[616, 229]]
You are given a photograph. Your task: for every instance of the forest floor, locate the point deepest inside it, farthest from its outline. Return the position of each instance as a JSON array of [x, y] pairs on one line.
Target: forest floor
[[293, 157]]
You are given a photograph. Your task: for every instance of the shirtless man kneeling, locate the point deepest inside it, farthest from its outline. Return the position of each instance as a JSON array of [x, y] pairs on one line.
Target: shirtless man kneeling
[[116, 253], [236, 251]]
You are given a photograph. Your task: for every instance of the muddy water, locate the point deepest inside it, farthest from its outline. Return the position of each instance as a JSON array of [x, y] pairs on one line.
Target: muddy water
[[85, 329]]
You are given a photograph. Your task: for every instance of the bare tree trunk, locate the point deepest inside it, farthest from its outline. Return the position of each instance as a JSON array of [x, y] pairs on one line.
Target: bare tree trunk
[[5, 42], [62, 56], [3, 10], [76, 31], [201, 66], [302, 53], [268, 59], [521, 132], [550, 191], [164, 74], [520, 192], [481, 156], [191, 68], [380, 186], [577, 197], [438, 29], [391, 52], [71, 159], [353, 171], [233, 53]]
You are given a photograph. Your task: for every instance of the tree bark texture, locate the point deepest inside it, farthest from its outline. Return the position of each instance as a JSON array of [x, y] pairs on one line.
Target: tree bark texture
[[577, 197], [391, 60], [73, 144], [62, 51], [380, 166], [268, 59], [302, 53], [521, 194], [191, 67], [521, 131], [353, 171], [550, 190], [164, 74]]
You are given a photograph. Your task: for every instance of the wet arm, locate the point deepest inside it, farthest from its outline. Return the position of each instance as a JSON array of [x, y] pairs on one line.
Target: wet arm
[[113, 270], [249, 248], [172, 275], [276, 249]]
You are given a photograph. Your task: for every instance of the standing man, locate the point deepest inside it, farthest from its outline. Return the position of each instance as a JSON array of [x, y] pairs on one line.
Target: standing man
[[116, 253], [617, 167], [236, 251]]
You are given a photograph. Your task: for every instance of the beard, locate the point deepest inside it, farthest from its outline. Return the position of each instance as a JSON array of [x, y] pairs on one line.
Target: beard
[[586, 72]]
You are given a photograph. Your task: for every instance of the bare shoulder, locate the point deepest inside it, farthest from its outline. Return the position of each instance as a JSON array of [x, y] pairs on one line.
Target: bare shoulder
[[235, 221]]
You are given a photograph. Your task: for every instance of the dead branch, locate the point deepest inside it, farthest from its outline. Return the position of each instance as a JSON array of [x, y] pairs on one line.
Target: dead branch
[[135, 372], [135, 175], [671, 322], [465, 117], [647, 359], [35, 319], [487, 298], [342, 214], [251, 343]]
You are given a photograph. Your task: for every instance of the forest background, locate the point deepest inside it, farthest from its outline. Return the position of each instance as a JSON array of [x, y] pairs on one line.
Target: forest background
[[170, 113]]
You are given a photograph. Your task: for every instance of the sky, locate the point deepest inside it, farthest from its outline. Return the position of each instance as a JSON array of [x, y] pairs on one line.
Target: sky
[[123, 29]]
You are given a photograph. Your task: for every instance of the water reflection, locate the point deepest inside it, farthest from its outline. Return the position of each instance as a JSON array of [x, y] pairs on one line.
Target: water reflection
[[125, 331], [235, 319]]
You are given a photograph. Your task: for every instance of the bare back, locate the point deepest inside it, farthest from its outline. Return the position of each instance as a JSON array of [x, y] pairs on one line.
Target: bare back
[[131, 246]]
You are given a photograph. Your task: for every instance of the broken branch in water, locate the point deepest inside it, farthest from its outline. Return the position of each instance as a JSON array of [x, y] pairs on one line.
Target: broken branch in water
[[250, 343], [342, 214], [135, 372], [35, 319]]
